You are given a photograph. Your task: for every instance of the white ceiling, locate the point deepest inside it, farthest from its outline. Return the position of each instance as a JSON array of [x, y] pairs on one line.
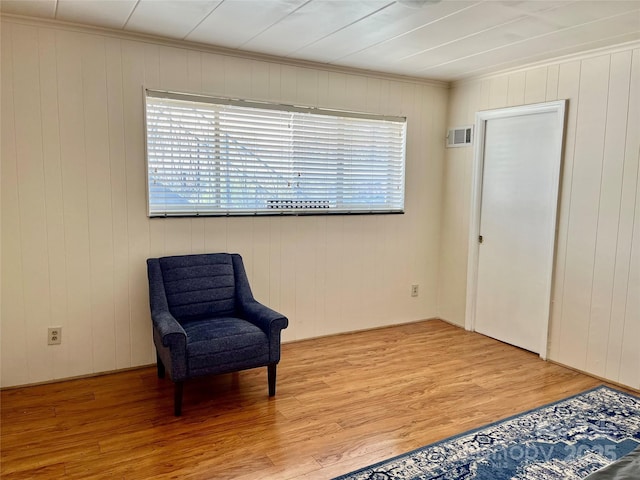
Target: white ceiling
[[444, 40]]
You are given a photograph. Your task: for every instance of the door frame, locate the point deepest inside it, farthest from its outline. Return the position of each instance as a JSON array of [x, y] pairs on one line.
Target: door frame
[[559, 108]]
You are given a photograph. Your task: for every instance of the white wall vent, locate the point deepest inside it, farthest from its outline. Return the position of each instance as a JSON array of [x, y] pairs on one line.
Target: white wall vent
[[460, 136]]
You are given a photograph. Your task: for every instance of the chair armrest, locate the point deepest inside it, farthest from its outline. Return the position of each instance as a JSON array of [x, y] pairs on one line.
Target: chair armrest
[[270, 321], [167, 327], [171, 332], [263, 317]]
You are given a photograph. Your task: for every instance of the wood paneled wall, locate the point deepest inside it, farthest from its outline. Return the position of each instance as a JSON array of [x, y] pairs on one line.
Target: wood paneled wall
[[595, 318], [75, 234]]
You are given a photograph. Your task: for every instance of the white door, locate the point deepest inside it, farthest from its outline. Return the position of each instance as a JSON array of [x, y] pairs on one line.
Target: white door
[[518, 202]]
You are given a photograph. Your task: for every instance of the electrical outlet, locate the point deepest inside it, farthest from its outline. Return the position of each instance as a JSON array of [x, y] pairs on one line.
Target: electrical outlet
[[414, 290], [55, 336]]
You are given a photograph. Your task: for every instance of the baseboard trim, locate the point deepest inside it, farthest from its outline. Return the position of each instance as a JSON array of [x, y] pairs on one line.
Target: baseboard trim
[[453, 324], [621, 386], [77, 377], [351, 332], [140, 367]]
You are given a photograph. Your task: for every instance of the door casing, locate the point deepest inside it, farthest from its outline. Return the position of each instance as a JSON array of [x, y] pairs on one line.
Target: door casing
[[482, 117]]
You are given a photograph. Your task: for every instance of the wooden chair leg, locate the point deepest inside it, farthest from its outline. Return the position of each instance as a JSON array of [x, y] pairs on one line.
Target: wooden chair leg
[[177, 399], [271, 373], [160, 366]]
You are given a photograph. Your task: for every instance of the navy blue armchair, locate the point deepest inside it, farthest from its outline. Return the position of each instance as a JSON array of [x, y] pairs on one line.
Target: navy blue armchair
[[206, 321]]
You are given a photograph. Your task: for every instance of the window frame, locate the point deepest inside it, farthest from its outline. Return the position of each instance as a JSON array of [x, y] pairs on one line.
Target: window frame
[[265, 105]]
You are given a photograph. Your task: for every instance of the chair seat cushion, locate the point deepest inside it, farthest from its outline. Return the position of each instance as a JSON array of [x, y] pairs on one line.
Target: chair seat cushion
[[226, 344]]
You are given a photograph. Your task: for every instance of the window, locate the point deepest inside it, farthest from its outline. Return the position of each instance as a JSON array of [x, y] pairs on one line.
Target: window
[[210, 156]]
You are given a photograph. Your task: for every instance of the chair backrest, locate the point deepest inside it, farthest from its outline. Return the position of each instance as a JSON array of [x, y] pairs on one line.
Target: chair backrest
[[199, 286]]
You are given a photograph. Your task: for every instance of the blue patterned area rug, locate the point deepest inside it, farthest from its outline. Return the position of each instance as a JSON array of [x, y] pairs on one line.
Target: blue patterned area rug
[[564, 440]]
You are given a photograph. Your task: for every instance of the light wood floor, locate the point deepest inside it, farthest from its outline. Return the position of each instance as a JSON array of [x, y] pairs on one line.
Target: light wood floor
[[343, 402]]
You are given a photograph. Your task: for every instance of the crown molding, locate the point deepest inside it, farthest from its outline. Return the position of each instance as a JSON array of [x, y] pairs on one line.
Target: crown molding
[[572, 57], [203, 47]]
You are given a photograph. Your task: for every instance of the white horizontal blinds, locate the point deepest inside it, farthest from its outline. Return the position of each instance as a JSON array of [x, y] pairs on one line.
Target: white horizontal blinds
[[233, 158], [256, 155], [182, 158], [356, 164]]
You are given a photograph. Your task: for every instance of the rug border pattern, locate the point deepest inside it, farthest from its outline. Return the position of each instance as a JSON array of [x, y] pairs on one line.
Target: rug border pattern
[[346, 476]]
